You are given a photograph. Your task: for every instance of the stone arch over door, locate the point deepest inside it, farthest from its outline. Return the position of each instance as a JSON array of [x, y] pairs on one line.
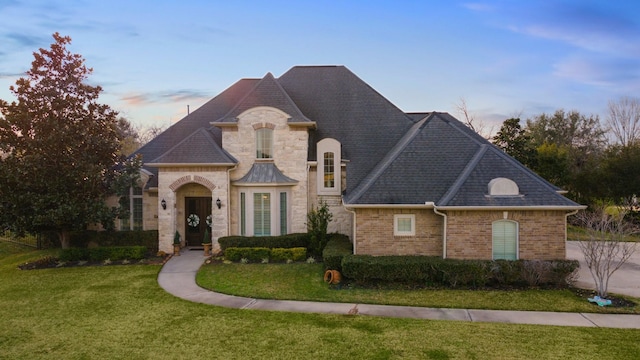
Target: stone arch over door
[[193, 206]]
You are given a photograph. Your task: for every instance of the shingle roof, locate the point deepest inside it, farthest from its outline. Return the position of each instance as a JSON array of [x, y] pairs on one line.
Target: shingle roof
[[267, 92], [197, 148], [441, 161], [393, 157], [347, 109]]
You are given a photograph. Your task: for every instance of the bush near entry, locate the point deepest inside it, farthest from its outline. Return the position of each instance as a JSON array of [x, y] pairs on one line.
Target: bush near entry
[[283, 241]]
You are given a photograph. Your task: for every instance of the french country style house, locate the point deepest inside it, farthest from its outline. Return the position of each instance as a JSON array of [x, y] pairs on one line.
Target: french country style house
[[256, 158]]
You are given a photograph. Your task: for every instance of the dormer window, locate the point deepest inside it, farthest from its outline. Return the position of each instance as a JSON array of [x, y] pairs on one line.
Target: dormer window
[[329, 171], [264, 143], [503, 187]]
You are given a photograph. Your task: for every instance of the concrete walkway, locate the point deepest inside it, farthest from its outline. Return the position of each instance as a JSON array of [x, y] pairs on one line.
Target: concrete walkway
[[178, 276]]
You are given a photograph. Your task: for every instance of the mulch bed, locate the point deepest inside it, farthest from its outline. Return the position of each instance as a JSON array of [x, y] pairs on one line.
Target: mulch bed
[[50, 262], [616, 302]]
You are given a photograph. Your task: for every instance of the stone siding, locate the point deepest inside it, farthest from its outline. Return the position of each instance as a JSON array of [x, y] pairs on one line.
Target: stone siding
[[290, 156], [374, 233], [188, 181], [542, 234]]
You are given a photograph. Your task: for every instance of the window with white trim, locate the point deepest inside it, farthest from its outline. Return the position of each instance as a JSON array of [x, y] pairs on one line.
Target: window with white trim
[[329, 167], [264, 143], [134, 220], [404, 225], [264, 211], [505, 240]]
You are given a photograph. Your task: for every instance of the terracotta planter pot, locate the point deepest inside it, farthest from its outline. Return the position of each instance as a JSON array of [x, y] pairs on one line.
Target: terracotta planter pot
[[207, 249], [176, 249]]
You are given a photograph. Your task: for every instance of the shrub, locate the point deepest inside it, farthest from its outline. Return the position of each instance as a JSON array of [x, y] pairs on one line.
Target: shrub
[[103, 253], [293, 254], [317, 223], [457, 273], [337, 247], [283, 241], [251, 254], [82, 239]]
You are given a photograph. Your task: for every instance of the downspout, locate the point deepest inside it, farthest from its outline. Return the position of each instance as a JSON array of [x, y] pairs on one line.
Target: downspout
[[229, 198], [566, 218], [444, 232], [353, 226]]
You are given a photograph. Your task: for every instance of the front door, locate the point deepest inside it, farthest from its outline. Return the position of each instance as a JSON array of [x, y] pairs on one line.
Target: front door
[[197, 211]]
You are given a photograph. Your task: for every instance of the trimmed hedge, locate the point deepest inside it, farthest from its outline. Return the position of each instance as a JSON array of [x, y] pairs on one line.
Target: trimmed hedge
[[284, 241], [257, 254], [83, 239], [337, 247], [103, 253], [458, 273]]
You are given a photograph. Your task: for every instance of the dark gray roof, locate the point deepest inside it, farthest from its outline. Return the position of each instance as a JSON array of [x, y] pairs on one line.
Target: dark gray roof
[[200, 118], [442, 161], [347, 109], [267, 92], [392, 157], [265, 173], [197, 148]]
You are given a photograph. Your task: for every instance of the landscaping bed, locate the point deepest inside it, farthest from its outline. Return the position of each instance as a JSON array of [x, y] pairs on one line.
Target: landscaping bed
[[49, 262]]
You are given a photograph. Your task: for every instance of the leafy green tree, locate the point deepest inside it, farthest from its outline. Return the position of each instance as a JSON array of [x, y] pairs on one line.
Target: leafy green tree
[[513, 140], [620, 176], [60, 146], [568, 139]]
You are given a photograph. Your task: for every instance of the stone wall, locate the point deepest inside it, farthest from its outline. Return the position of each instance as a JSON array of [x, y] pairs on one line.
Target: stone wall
[[290, 156], [542, 234], [174, 183], [374, 233]]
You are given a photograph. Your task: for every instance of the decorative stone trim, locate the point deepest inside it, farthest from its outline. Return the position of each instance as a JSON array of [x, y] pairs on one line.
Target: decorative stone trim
[[204, 181], [181, 181], [257, 126]]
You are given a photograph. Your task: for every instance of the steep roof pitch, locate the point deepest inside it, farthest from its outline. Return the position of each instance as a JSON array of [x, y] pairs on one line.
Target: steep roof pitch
[[265, 173], [347, 109], [267, 92], [197, 148], [441, 161], [200, 118]]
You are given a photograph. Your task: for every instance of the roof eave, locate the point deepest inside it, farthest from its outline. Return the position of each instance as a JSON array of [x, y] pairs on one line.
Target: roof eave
[[161, 165], [428, 205], [513, 208]]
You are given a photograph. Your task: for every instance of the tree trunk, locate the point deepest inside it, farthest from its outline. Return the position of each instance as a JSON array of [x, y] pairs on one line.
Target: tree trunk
[[65, 238]]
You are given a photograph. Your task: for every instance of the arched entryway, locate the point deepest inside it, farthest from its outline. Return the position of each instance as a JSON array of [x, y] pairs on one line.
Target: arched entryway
[[197, 219]]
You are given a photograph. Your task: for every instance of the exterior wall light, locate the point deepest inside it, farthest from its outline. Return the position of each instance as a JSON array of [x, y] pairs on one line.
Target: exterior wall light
[[219, 203], [163, 203]]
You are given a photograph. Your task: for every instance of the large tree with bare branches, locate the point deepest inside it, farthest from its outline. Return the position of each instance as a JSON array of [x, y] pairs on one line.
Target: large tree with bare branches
[[623, 120]]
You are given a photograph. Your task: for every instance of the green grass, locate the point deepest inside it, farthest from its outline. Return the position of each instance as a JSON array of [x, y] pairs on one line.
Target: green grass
[[305, 282], [119, 312]]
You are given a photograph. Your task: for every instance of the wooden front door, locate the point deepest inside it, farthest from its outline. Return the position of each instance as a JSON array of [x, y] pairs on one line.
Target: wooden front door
[[197, 209]]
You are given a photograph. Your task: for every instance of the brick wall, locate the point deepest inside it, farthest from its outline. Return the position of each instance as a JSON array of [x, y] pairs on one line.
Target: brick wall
[[541, 234], [374, 233]]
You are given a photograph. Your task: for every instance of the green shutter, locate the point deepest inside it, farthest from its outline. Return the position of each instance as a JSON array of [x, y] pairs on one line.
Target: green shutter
[[505, 240], [283, 213], [243, 215]]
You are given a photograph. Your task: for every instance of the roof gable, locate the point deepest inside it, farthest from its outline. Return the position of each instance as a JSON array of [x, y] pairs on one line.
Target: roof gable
[[267, 92], [197, 148]]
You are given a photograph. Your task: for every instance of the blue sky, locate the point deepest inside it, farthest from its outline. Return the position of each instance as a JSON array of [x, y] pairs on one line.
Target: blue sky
[[505, 58]]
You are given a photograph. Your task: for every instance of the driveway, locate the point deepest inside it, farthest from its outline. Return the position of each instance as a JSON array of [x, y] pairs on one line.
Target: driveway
[[625, 281]]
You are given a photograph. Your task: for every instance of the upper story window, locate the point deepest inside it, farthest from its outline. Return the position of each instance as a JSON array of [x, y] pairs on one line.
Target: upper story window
[[264, 143], [329, 167], [329, 170]]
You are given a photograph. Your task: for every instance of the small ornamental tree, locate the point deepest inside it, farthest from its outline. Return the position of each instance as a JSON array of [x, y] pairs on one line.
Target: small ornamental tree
[[59, 147], [317, 223], [605, 250]]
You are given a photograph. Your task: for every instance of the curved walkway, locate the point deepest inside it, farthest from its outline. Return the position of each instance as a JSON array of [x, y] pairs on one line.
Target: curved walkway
[[178, 277]]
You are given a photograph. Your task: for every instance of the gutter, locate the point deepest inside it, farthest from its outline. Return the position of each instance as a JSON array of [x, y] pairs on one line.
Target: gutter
[[229, 198], [566, 218], [355, 224], [514, 208]]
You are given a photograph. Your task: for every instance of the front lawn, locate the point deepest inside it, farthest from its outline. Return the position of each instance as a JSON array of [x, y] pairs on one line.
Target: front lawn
[[120, 312], [305, 282]]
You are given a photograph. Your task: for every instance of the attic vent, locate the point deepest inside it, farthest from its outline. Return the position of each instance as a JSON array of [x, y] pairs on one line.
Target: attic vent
[[503, 187]]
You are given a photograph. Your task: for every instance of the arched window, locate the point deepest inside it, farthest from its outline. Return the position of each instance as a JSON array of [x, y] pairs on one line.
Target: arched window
[[505, 240], [264, 143], [329, 167]]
